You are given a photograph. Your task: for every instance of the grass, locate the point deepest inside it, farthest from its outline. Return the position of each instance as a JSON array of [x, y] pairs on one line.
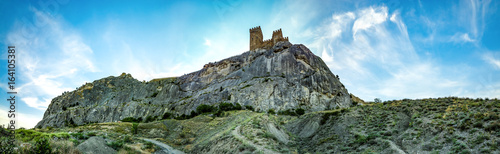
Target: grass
[[464, 124]]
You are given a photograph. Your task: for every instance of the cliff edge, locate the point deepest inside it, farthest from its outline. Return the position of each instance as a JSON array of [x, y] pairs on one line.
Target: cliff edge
[[283, 77]]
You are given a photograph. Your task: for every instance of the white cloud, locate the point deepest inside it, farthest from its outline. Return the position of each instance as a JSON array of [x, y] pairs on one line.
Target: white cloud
[[370, 17], [380, 61], [52, 59], [461, 37], [207, 42], [491, 59], [22, 120]]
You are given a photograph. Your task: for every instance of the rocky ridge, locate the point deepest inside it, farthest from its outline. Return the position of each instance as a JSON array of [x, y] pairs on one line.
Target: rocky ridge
[[284, 77]]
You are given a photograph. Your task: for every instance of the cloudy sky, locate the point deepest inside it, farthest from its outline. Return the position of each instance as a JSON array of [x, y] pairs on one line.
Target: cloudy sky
[[380, 49]]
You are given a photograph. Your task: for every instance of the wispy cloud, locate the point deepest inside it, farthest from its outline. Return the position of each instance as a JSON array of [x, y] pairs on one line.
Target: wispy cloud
[[22, 119], [374, 56], [461, 38], [493, 59], [51, 59], [472, 16]]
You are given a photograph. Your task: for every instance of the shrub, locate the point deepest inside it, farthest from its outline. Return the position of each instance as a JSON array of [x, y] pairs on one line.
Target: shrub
[[193, 114], [226, 106], [127, 139], [167, 115], [134, 128], [248, 107], [5, 145], [150, 119], [64, 146], [132, 119], [300, 111], [360, 138], [91, 134], [205, 109], [271, 111], [495, 126], [154, 94], [79, 136], [42, 145], [148, 145], [237, 107], [117, 145], [219, 113], [287, 112]]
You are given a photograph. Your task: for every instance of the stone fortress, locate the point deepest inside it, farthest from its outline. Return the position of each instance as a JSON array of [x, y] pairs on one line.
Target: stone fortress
[[257, 40]]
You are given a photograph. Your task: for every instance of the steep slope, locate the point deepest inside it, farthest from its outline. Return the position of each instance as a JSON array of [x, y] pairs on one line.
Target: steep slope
[[284, 77], [443, 125]]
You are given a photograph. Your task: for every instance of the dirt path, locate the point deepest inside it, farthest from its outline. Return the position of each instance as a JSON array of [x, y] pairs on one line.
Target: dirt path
[[236, 134], [165, 148]]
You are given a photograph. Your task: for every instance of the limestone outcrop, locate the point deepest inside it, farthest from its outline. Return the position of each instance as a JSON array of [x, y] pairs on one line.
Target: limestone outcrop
[[283, 77]]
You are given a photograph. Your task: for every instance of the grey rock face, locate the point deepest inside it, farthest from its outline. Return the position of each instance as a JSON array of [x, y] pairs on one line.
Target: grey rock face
[[95, 145], [284, 77]]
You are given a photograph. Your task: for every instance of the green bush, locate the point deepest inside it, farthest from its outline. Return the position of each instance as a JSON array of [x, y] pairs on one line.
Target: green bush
[[154, 94], [117, 145], [248, 107], [132, 119], [148, 145], [226, 106], [300, 111], [495, 126], [238, 107], [150, 119], [79, 136], [229, 106], [134, 128], [42, 145], [205, 109], [287, 112], [361, 138], [91, 134], [5, 145], [271, 111], [167, 115]]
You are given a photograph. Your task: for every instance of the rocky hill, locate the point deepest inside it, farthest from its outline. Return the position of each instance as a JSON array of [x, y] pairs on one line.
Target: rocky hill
[[443, 125], [282, 78]]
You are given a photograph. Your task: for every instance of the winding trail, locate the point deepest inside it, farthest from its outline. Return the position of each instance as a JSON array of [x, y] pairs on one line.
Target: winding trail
[[165, 148], [236, 134]]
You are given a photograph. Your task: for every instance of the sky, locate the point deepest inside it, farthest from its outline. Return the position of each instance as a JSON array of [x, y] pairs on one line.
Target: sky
[[380, 49]]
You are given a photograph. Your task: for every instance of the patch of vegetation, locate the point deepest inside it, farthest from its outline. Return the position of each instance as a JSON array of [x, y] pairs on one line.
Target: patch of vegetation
[[42, 145], [150, 119], [229, 106], [117, 145], [248, 107], [167, 115], [154, 94], [132, 119], [134, 128], [271, 111], [203, 108], [292, 112]]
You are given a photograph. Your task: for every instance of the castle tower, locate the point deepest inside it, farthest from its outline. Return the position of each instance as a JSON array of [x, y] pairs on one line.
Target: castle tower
[[277, 36], [256, 38]]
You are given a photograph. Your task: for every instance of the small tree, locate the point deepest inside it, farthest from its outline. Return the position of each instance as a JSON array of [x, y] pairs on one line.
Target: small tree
[[377, 100], [300, 111], [42, 145]]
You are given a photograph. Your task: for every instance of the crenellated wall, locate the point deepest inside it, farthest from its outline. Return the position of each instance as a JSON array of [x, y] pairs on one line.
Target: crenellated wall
[[256, 39]]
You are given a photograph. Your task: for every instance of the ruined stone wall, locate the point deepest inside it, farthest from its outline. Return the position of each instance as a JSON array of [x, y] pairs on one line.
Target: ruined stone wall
[[256, 38]]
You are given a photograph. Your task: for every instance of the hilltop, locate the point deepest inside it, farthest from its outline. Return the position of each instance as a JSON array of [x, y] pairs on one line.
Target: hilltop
[[284, 77]]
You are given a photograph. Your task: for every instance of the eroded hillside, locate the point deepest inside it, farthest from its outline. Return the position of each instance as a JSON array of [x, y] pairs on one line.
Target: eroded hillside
[[445, 125]]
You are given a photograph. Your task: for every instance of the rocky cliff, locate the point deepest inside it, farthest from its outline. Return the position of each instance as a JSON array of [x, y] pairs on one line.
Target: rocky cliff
[[284, 77]]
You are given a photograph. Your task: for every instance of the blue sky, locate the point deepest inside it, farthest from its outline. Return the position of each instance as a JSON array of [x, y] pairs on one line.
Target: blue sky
[[380, 49]]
